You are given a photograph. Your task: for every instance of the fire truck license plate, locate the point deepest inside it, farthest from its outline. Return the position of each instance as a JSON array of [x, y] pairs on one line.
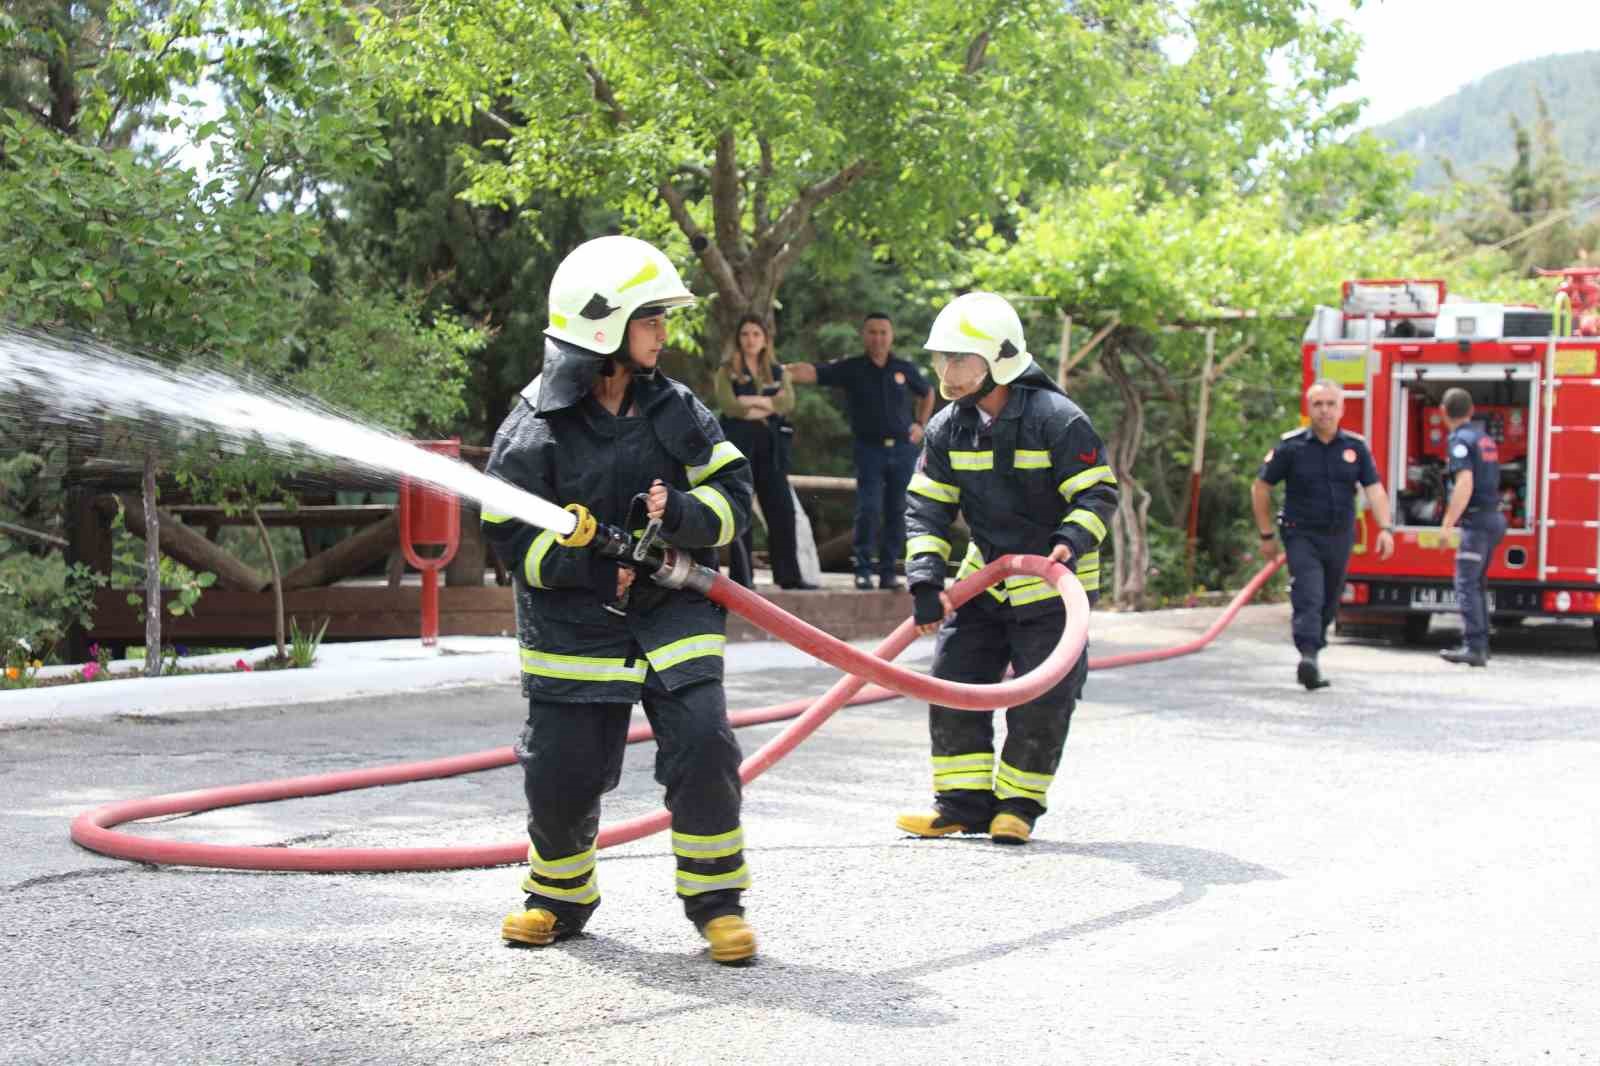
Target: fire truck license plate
[[1442, 598]]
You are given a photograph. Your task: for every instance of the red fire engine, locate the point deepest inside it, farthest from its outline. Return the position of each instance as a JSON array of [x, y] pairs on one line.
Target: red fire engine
[[1396, 346]]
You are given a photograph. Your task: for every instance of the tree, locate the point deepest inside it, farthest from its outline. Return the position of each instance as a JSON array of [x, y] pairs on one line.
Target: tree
[[141, 250]]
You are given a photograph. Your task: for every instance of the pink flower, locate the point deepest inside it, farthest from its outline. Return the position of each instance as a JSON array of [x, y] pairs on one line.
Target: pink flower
[[90, 670], [94, 651], [242, 665]]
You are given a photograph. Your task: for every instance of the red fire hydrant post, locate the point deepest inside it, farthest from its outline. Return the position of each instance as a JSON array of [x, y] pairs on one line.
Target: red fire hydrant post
[[430, 519]]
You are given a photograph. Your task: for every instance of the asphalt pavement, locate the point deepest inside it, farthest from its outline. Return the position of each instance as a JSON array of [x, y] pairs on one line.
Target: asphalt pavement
[[1401, 868]]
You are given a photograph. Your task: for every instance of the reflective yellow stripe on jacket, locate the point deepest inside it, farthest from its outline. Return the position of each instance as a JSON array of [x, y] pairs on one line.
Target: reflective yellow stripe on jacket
[[721, 455], [718, 504], [923, 485], [681, 651], [1085, 478]]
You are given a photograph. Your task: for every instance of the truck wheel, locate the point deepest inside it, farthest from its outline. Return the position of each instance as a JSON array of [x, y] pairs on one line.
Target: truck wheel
[[1416, 628]]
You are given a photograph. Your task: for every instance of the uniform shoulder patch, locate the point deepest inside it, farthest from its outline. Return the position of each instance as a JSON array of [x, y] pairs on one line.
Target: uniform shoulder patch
[[1459, 451]]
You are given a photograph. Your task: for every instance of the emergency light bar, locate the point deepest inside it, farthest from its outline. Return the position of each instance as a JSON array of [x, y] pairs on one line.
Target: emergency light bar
[[1393, 297]]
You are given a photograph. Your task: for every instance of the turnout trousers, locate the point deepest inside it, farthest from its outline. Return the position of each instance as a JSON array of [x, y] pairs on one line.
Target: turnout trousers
[[1317, 563], [571, 754], [1480, 535], [976, 645]]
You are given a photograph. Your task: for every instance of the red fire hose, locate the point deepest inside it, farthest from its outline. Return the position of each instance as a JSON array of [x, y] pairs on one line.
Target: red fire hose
[[92, 829]]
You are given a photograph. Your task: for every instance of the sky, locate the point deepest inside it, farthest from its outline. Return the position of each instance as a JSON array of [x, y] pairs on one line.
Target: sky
[[1417, 52]]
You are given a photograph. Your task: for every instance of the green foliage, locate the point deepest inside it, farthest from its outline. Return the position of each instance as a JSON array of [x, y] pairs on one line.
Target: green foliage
[[40, 598], [128, 573], [303, 643], [1465, 133]]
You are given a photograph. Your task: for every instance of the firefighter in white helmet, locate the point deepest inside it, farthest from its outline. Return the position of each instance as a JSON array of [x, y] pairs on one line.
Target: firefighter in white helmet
[[601, 427], [1021, 462]]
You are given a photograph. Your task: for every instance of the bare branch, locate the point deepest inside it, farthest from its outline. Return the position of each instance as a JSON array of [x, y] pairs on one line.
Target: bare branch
[[791, 251], [976, 52], [763, 180], [725, 197], [1229, 361], [711, 256], [1094, 342], [798, 213]]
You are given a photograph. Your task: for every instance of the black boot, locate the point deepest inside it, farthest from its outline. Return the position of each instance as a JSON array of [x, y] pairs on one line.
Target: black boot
[[1308, 674], [1466, 655]]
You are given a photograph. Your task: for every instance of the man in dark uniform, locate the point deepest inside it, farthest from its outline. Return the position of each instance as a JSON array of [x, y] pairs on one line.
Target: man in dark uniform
[[1475, 506], [1023, 465], [1321, 465], [889, 408]]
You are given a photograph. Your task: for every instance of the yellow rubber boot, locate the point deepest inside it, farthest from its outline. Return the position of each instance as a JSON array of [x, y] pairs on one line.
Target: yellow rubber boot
[[1009, 829], [536, 926], [928, 824], [731, 938]]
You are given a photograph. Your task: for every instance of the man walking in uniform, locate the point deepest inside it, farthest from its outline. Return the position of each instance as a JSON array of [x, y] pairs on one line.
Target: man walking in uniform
[[889, 408], [1475, 505], [1023, 465], [1321, 467]]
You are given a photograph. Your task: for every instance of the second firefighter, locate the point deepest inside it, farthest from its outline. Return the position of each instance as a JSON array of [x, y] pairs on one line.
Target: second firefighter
[[1022, 464]]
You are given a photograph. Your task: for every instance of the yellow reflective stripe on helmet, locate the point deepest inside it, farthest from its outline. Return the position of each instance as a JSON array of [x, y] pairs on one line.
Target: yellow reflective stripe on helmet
[[1090, 521], [721, 455], [927, 544], [718, 504], [561, 869], [969, 330], [974, 770], [693, 884], [719, 846], [681, 651], [588, 892], [1028, 459], [649, 272], [1082, 480], [533, 562], [494, 518], [972, 460], [580, 667], [1011, 782], [923, 485]]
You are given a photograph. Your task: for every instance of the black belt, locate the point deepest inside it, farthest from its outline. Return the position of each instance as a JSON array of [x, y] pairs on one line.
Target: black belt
[[882, 442]]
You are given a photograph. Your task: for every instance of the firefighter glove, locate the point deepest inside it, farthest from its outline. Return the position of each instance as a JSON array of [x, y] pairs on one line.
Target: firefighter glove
[[929, 606]]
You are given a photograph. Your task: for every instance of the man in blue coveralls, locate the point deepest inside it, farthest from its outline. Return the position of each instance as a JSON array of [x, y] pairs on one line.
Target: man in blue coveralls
[[889, 404], [1475, 506], [1321, 466]]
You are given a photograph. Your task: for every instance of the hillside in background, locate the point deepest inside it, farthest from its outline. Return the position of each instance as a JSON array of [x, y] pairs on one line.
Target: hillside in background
[[1472, 128]]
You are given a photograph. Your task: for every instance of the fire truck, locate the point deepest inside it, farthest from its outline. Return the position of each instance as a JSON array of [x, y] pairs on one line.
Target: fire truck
[[1396, 345]]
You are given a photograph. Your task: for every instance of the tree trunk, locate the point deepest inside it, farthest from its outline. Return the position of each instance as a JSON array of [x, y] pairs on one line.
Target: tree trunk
[[152, 570], [277, 584], [1130, 524]]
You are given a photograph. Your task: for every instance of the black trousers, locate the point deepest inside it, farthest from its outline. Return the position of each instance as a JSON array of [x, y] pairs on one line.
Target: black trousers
[[760, 443], [976, 645], [571, 754], [1481, 533], [1317, 562]]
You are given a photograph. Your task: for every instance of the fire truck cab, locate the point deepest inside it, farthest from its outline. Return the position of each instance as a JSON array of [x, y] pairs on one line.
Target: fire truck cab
[[1396, 345]]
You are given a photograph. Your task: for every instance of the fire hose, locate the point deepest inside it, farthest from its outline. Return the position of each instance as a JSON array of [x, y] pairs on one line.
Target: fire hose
[[94, 830]]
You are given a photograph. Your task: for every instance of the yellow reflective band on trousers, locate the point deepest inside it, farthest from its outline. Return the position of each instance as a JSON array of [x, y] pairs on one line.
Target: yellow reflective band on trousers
[[533, 563], [582, 667], [1009, 783], [923, 485], [721, 455], [588, 892], [1028, 459], [681, 651], [927, 544], [1090, 521], [1024, 590], [719, 846], [1084, 479], [973, 771], [693, 884], [718, 503], [560, 869], [972, 460]]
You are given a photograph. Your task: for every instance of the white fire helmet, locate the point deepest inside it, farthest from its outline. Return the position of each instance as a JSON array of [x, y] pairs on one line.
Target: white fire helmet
[[601, 283], [983, 324]]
